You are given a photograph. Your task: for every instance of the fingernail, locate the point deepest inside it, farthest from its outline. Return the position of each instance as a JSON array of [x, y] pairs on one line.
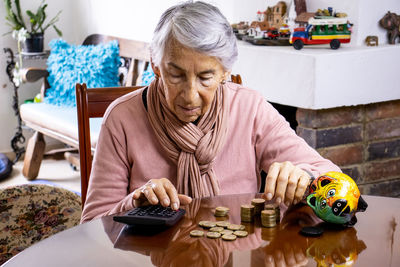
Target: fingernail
[[154, 200], [278, 200], [295, 201], [269, 196], [287, 203], [165, 202], [175, 206]]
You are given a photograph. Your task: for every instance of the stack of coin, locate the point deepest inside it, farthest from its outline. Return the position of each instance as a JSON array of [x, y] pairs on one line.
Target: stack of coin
[[221, 211], [258, 204], [247, 213], [277, 210], [268, 218]]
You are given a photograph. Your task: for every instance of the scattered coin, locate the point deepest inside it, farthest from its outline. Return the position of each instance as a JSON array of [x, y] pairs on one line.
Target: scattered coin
[[213, 235], [196, 233], [235, 227], [224, 224], [216, 229], [207, 224], [226, 232], [228, 237], [240, 233]]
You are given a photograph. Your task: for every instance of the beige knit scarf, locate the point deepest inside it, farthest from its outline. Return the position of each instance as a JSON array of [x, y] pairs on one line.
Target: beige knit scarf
[[192, 147]]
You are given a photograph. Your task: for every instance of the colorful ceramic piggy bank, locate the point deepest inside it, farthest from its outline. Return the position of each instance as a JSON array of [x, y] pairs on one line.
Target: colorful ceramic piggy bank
[[335, 198]]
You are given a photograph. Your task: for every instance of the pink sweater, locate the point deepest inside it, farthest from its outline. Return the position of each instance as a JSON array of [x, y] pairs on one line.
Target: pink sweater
[[128, 153]]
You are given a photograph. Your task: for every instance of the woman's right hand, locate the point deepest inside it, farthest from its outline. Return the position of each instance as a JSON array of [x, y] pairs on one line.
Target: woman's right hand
[[159, 191]]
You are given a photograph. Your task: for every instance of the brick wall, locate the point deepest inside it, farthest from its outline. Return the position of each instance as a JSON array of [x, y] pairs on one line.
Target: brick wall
[[363, 140]]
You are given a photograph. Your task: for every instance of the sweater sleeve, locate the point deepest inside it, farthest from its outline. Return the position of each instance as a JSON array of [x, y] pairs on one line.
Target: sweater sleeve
[[108, 190], [275, 141]]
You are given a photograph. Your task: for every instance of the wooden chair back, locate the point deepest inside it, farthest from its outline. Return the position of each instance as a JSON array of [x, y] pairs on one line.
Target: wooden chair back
[[92, 103]]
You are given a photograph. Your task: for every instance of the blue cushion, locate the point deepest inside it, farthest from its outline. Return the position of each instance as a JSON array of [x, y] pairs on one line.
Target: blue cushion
[[147, 76], [95, 65]]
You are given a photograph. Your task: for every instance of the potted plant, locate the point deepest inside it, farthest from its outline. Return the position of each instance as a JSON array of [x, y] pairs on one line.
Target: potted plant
[[38, 24]]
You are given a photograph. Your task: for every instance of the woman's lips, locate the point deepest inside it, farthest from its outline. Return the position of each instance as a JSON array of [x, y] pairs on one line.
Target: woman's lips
[[189, 110]]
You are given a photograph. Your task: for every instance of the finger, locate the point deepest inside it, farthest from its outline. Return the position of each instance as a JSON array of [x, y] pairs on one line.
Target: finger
[[136, 194], [291, 186], [281, 182], [172, 194], [270, 181], [148, 192], [184, 199], [301, 187], [161, 193]]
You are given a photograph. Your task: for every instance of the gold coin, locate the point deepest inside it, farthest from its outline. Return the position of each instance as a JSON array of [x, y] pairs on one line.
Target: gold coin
[[258, 201], [247, 206], [201, 223], [226, 232], [222, 209], [207, 224], [224, 224], [242, 227], [241, 233], [216, 229], [268, 213], [235, 227], [213, 235], [229, 237], [196, 233]]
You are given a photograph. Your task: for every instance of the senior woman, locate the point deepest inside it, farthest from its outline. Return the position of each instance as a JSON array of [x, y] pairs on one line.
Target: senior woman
[[191, 133]]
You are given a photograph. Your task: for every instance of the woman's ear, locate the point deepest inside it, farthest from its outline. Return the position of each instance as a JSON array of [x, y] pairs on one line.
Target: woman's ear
[[226, 76], [156, 69]]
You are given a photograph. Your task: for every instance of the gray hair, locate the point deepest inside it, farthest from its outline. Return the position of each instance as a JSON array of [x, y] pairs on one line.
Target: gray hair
[[199, 26]]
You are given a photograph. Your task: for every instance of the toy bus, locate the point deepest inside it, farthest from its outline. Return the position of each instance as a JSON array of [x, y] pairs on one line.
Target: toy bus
[[322, 30]]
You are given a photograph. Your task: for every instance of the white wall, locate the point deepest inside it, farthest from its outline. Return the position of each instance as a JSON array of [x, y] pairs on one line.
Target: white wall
[[137, 20], [67, 24]]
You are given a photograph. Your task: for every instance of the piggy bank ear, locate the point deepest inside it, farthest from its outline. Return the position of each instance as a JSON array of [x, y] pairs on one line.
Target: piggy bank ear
[[311, 200], [362, 205]]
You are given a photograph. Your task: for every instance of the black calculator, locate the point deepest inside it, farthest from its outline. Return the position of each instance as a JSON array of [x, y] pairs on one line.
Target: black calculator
[[155, 215]]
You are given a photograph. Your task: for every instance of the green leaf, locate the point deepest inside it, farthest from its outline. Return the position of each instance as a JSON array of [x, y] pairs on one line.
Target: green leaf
[[19, 13], [57, 30]]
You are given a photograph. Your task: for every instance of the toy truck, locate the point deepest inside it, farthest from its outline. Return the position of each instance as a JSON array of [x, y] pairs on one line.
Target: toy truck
[[322, 30]]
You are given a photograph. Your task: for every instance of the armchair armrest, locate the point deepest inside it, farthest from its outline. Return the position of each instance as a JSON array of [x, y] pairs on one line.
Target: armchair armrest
[[33, 74]]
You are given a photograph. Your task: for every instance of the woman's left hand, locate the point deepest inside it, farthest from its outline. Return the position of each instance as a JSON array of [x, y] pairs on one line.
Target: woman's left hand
[[286, 182]]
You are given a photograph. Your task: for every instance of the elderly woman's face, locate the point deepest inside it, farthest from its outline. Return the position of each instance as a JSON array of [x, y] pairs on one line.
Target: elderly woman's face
[[190, 80]]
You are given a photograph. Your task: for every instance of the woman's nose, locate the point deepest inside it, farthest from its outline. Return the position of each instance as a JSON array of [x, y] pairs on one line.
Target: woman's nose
[[190, 93]]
